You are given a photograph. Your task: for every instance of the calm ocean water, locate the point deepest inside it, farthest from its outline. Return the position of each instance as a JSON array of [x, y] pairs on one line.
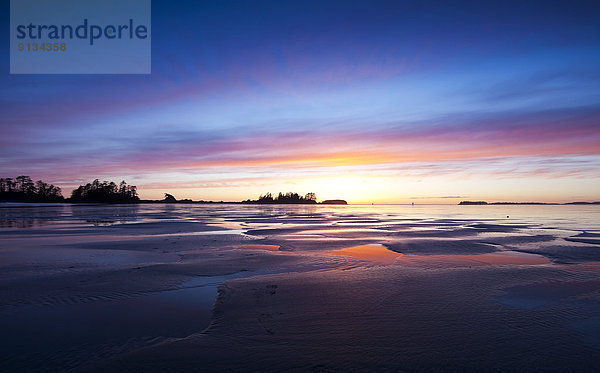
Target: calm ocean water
[[576, 217]]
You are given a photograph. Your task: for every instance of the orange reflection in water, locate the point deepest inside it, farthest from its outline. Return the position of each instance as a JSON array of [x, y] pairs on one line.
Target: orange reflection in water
[[380, 255], [491, 259], [372, 253]]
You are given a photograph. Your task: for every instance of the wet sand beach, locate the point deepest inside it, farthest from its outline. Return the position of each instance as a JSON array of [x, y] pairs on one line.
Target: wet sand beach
[[300, 288]]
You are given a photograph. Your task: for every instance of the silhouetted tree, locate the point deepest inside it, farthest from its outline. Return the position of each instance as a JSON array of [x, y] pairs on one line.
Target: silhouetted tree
[[105, 191], [310, 197], [47, 192], [287, 198], [23, 184], [267, 198], [7, 185], [169, 198], [23, 189]]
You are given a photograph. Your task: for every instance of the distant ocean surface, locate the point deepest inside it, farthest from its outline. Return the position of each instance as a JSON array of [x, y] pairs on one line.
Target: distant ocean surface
[[577, 217]]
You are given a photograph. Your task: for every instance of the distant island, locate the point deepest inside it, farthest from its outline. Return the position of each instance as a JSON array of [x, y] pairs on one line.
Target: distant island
[[334, 202], [293, 198], [287, 198], [23, 189], [105, 192], [169, 198], [526, 203]]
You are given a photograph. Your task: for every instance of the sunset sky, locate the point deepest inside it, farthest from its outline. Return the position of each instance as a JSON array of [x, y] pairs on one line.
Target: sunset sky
[[370, 101]]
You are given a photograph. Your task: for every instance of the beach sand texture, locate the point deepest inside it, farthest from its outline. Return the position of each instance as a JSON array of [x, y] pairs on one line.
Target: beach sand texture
[[299, 288]]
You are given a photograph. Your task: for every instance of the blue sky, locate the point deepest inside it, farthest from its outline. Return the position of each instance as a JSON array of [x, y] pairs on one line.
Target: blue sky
[[369, 101]]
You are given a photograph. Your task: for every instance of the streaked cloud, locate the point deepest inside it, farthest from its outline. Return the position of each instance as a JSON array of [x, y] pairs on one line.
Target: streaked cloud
[[383, 91]]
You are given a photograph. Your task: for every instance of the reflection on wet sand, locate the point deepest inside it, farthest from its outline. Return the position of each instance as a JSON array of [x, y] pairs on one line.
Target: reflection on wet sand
[[380, 255], [375, 253], [491, 259]]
